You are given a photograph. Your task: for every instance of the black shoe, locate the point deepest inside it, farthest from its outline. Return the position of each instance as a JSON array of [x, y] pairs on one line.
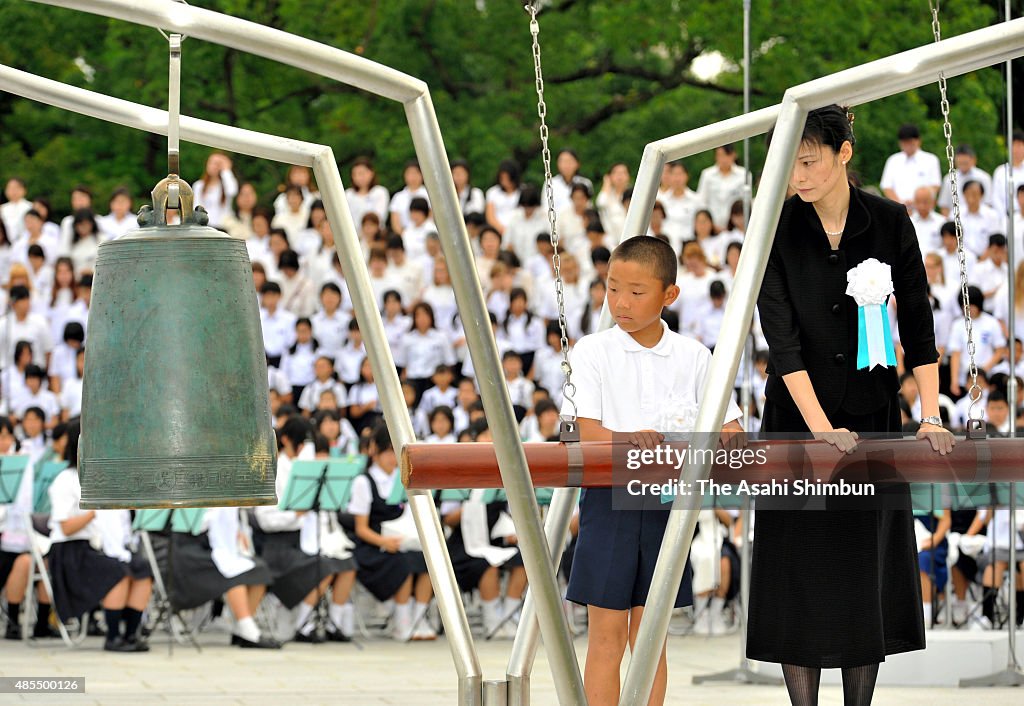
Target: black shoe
[[13, 632], [312, 638], [118, 644], [337, 636], [137, 644], [45, 631], [264, 643]]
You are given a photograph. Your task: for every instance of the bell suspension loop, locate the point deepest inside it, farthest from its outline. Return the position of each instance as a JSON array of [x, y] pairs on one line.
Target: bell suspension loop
[[569, 428], [975, 424]]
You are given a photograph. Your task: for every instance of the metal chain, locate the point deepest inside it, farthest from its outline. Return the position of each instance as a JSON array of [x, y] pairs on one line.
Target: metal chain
[[568, 388], [974, 392]]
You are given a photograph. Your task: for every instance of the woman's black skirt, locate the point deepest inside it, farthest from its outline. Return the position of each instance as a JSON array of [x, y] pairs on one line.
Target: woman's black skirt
[[81, 577], [382, 573], [470, 569], [195, 579], [837, 587], [294, 572]]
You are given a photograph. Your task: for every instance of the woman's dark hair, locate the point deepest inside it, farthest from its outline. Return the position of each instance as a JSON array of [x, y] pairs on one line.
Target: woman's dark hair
[[529, 196], [444, 411], [74, 428], [512, 169], [19, 350], [427, 309], [315, 206], [368, 163], [83, 215], [74, 331], [296, 429], [380, 437], [830, 127]]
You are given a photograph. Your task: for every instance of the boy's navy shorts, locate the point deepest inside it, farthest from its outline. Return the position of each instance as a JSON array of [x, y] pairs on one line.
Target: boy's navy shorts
[[616, 552]]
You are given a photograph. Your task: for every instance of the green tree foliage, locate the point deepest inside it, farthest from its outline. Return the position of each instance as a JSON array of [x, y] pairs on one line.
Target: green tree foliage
[[618, 75]]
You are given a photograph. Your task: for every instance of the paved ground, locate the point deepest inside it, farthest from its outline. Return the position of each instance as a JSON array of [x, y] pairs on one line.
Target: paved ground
[[380, 672]]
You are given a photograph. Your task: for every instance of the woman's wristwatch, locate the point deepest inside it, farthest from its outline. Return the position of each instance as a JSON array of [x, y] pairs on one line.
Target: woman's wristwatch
[[937, 421]]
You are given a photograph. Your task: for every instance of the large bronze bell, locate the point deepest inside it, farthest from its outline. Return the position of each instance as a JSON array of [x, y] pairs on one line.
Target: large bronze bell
[[175, 403]]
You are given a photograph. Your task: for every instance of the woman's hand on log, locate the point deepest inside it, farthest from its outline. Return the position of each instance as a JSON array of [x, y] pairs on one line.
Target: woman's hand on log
[[939, 437], [842, 438]]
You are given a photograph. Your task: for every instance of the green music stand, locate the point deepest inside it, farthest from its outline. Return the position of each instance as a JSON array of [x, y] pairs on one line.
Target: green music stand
[[45, 474], [151, 519], [188, 520], [323, 484], [12, 468]]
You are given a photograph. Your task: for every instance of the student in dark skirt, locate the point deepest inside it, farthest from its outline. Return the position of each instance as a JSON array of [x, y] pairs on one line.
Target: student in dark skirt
[[82, 576], [384, 569], [300, 575], [838, 588], [479, 560], [115, 528], [218, 562]]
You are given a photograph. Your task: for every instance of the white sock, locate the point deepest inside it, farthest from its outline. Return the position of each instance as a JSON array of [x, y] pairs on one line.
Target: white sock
[[490, 613], [717, 605], [512, 607], [419, 612], [927, 615], [347, 623], [305, 610], [402, 619], [247, 629], [336, 613]]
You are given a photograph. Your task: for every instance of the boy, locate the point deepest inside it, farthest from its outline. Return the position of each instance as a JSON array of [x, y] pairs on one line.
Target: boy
[[442, 393], [638, 378]]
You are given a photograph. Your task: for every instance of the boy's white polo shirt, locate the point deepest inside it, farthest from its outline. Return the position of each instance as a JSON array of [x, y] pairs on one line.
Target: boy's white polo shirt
[[629, 387]]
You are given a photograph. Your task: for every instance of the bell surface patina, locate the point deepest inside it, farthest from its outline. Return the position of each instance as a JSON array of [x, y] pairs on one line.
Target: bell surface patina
[[175, 403]]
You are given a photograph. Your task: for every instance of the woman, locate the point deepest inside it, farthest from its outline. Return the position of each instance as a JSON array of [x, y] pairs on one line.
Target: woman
[[216, 188], [838, 588], [366, 195]]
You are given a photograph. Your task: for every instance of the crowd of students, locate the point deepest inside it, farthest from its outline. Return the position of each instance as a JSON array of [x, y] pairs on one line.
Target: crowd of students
[[324, 397]]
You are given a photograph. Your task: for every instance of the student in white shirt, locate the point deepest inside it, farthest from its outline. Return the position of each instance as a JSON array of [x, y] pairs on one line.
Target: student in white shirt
[[525, 224], [713, 316], [217, 187], [330, 323], [1016, 175], [520, 389], [33, 235], [471, 199], [21, 325], [996, 559], [298, 293], [278, 324], [121, 219], [567, 164], [989, 341], [991, 274], [402, 200], [951, 256], [381, 279], [927, 221], [307, 241], [337, 430], [350, 358], [364, 409], [388, 567], [84, 240], [441, 393], [441, 296], [82, 576], [405, 270], [979, 220], [301, 177], [298, 361], [722, 184], [302, 573], [523, 329], [14, 209], [366, 195], [71, 389], [37, 396], [295, 217], [442, 425], [694, 285], [323, 380], [966, 170], [502, 199], [609, 201], [910, 168], [423, 349], [680, 204]]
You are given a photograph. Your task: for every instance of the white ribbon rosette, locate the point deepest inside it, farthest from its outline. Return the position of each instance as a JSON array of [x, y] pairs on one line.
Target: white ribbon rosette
[[870, 284]]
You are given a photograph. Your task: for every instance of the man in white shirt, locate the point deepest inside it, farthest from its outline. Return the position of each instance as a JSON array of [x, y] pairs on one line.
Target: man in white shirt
[[1017, 175], [722, 184], [979, 220], [120, 220], [910, 168], [525, 223], [330, 323], [278, 324], [681, 204], [990, 274], [927, 221], [951, 258], [403, 270], [414, 236], [81, 199], [20, 324], [13, 211], [988, 337], [966, 170]]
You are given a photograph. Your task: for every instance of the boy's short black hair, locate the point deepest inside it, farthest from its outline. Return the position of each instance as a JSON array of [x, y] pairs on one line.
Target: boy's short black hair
[[74, 331], [19, 292], [34, 371], [419, 204], [975, 297], [545, 406], [600, 255], [717, 289], [997, 239], [270, 288], [653, 254]]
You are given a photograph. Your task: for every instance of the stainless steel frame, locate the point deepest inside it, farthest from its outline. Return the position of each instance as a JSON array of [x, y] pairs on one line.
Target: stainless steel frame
[[414, 95], [877, 79]]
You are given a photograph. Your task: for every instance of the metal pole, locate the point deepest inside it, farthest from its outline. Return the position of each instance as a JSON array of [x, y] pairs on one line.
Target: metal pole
[[748, 190], [508, 447], [389, 388], [739, 309], [524, 648]]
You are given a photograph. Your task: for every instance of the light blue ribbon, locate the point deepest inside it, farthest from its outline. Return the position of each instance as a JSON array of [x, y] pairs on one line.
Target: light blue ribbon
[[874, 337]]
